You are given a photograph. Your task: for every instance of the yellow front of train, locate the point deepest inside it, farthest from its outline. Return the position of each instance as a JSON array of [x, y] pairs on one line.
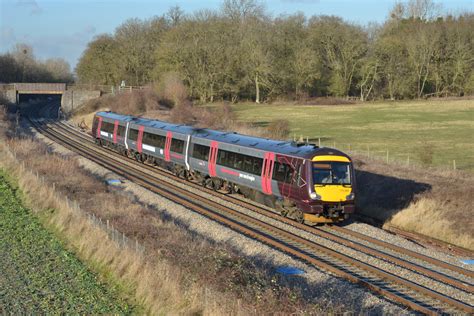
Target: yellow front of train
[[334, 188]]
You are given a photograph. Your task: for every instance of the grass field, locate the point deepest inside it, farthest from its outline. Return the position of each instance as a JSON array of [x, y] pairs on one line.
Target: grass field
[[433, 132], [38, 276]]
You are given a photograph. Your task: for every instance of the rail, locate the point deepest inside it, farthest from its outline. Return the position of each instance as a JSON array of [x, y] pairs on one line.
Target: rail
[[233, 219]]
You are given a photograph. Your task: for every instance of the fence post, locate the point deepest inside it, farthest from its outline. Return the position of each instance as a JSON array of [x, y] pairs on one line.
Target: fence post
[[368, 151], [387, 155], [319, 141], [454, 164]]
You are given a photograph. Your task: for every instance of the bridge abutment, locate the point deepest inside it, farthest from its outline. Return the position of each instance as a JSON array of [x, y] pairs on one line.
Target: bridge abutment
[[73, 99]]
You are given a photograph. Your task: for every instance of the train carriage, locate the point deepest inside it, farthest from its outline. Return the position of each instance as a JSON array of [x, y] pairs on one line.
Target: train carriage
[[301, 181]]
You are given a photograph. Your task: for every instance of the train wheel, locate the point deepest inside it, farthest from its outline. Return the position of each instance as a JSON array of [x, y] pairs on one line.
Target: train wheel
[[281, 209], [210, 184], [181, 173]]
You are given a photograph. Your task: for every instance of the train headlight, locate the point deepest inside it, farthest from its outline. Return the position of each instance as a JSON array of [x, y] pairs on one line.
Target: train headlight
[[315, 196], [350, 196]]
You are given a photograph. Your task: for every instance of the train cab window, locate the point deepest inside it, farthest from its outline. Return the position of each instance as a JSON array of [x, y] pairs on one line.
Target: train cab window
[[177, 145], [282, 172], [331, 172], [133, 134], [154, 140], [201, 152]]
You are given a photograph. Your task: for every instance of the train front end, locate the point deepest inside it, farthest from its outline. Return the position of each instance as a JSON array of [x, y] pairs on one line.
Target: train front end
[[332, 189]]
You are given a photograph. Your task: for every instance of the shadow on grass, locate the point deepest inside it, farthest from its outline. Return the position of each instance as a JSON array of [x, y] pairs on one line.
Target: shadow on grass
[[381, 196]]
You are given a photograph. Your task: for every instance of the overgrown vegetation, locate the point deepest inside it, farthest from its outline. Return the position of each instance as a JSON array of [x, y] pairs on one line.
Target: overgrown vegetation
[[38, 274], [20, 65], [240, 52]]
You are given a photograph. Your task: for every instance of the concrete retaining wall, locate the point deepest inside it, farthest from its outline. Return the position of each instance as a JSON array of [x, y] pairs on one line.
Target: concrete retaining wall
[[10, 95], [74, 99]]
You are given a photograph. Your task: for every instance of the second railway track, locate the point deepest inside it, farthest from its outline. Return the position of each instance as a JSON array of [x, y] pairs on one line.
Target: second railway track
[[401, 290]]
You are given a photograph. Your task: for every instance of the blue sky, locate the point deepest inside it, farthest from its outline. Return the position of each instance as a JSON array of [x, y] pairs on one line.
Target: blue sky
[[62, 28]]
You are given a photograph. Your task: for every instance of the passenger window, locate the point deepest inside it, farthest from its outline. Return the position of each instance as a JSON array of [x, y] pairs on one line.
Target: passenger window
[[177, 145], [201, 152], [121, 130], [133, 134]]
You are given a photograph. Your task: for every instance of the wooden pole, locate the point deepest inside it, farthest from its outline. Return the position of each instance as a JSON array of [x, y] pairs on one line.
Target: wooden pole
[[454, 164]]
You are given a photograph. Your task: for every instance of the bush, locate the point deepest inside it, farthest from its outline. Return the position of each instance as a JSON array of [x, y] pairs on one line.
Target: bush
[[172, 90], [279, 129]]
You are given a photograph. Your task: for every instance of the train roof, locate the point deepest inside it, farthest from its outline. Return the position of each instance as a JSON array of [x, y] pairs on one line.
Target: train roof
[[302, 150]]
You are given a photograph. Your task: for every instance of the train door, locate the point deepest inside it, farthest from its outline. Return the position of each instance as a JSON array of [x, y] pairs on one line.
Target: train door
[[186, 152], [99, 126], [116, 124], [140, 138], [267, 172], [126, 135], [213, 158], [297, 179], [287, 174], [169, 137]]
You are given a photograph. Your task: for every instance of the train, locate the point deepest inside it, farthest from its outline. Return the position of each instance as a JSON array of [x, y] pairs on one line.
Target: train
[[302, 181]]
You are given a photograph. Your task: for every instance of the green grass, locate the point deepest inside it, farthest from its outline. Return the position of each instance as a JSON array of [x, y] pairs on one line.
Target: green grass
[[37, 275], [432, 132]]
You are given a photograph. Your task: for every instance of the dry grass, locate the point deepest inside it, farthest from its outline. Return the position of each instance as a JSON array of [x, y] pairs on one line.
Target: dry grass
[[435, 203], [180, 273], [428, 216]]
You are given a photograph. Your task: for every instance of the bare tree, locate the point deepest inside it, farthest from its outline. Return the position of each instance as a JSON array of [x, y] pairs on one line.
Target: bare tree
[[175, 15], [240, 10]]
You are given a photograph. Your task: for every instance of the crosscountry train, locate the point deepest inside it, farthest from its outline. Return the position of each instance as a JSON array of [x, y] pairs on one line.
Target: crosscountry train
[[301, 181]]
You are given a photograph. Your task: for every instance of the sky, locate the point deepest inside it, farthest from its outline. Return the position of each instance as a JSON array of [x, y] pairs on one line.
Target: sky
[[62, 28]]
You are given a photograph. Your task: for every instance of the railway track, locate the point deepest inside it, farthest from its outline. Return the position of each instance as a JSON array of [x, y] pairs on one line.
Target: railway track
[[327, 232], [393, 287]]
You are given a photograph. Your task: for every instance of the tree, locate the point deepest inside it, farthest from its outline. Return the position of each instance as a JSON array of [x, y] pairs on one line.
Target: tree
[[343, 46], [242, 10], [59, 69], [175, 15], [11, 70], [100, 62]]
